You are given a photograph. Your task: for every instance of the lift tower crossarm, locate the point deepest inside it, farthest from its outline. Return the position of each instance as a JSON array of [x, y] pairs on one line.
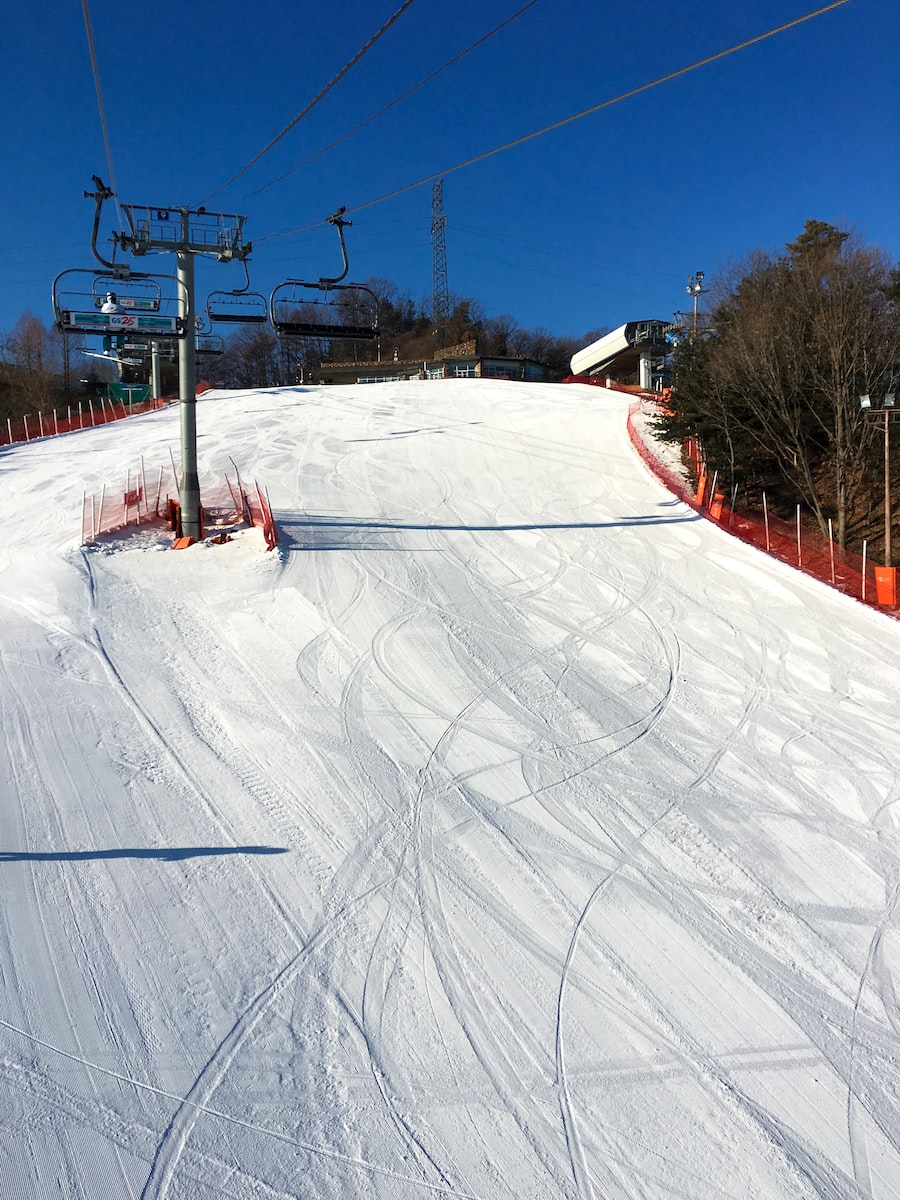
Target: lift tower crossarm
[[184, 230]]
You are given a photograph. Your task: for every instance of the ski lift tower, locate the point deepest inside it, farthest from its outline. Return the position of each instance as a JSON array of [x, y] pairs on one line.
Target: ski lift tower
[[186, 232]]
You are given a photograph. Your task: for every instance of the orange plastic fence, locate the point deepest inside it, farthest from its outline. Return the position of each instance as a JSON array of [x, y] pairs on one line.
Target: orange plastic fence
[[140, 498], [255, 508], [791, 543], [150, 498], [85, 415], [613, 385]]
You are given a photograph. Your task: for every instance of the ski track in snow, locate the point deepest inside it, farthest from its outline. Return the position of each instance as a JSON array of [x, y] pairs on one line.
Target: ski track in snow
[[587, 821]]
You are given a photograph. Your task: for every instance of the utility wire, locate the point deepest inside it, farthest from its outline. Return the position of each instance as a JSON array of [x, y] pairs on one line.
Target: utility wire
[[586, 112], [315, 100], [399, 99], [96, 71]]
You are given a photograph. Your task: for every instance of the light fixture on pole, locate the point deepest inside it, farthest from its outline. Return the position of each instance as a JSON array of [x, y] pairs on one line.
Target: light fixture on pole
[[884, 411], [696, 289]]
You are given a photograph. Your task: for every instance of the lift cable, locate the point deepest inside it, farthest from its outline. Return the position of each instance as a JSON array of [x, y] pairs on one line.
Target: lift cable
[[644, 87], [315, 100], [96, 71], [405, 95]]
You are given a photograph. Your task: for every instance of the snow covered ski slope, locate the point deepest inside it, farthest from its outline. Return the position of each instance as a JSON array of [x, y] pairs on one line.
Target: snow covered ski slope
[[509, 833]]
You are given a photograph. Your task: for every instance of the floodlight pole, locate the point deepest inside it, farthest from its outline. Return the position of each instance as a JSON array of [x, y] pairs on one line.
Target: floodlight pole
[[887, 486], [887, 411], [696, 289]]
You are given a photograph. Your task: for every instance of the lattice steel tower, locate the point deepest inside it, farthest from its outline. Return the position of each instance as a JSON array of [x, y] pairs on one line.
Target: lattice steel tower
[[441, 297]]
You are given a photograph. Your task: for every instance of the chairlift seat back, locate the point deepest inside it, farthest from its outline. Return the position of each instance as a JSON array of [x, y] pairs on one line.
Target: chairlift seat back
[[291, 311], [242, 308]]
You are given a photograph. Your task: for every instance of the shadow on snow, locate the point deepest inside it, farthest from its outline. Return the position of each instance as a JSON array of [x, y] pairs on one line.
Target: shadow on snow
[[334, 533], [173, 855]]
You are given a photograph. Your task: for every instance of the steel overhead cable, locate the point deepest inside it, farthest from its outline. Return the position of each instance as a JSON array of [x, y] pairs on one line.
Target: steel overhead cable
[[586, 112], [404, 96], [315, 100], [556, 251], [608, 264], [96, 71]]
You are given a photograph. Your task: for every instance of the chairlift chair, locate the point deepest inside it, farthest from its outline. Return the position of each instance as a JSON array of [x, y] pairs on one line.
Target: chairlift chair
[[135, 293], [244, 308], [209, 343], [158, 308], [240, 306], [291, 316], [290, 310]]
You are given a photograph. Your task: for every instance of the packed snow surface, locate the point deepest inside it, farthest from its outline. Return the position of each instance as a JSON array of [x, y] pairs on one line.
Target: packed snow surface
[[510, 832]]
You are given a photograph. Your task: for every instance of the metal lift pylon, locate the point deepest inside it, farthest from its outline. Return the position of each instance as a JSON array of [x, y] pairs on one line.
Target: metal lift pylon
[[184, 232]]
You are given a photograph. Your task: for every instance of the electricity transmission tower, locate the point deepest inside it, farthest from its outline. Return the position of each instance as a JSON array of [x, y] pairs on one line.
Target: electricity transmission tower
[[441, 294]]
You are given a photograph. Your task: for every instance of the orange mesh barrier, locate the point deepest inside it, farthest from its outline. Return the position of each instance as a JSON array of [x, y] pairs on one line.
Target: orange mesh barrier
[[255, 508], [141, 498], [807, 551], [148, 498], [85, 415]]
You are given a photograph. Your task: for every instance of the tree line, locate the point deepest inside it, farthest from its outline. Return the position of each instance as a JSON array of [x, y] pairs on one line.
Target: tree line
[[771, 386], [409, 333], [41, 370]]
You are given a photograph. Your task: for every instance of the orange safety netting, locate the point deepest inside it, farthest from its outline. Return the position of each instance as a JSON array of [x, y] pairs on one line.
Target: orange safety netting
[[151, 498], [84, 416], [802, 548]]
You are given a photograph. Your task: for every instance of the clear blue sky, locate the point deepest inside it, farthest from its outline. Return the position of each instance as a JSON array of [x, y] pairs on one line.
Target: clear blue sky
[[590, 225]]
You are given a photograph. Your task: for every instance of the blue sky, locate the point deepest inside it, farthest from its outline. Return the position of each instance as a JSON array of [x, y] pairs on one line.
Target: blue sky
[[598, 222]]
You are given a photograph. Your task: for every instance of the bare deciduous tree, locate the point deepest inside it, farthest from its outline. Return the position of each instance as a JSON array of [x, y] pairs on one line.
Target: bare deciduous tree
[[796, 339], [36, 353]]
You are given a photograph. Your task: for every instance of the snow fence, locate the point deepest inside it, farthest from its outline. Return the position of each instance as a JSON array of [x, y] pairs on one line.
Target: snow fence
[[85, 415], [151, 498], [807, 551]]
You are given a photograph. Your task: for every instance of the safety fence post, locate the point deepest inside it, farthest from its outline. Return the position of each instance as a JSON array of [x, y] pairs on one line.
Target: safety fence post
[[766, 522], [831, 547]]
